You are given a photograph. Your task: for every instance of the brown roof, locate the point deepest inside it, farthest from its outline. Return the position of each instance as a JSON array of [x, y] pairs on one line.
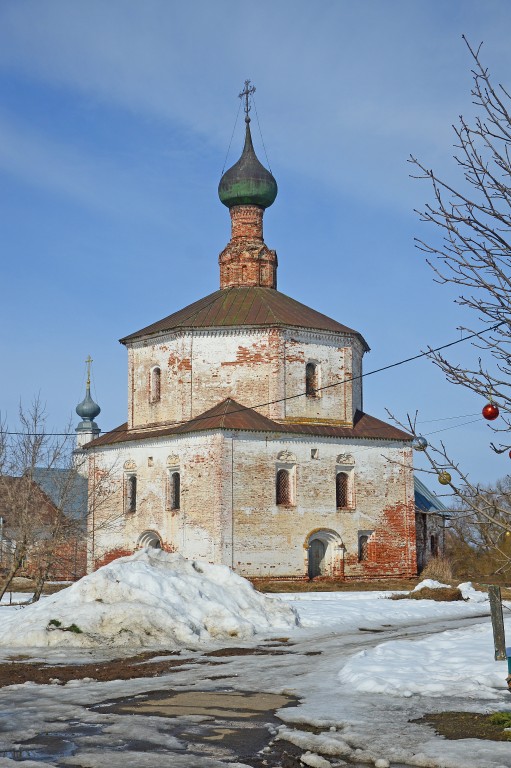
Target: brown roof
[[23, 493], [231, 415], [231, 307]]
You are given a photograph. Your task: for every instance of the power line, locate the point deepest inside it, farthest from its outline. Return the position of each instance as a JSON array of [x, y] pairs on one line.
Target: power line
[[448, 418], [454, 426], [303, 394]]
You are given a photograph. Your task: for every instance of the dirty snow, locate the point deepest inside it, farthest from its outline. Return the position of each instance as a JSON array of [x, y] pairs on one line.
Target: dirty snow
[[147, 599], [378, 664]]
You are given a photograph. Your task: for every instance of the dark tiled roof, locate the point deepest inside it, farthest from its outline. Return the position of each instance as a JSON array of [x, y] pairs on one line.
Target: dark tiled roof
[[231, 307], [231, 415]]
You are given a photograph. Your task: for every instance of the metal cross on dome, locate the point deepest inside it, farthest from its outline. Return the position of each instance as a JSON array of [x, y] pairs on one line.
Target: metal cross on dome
[[248, 91], [88, 361]]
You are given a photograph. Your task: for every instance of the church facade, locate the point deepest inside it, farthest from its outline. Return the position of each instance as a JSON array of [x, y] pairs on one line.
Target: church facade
[[246, 442]]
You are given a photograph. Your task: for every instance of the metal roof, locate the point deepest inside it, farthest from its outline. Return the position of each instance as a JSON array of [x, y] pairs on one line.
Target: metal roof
[[425, 500], [245, 306], [230, 415]]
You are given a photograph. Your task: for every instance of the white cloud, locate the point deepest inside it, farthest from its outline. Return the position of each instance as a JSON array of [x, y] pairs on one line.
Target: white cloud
[[346, 90]]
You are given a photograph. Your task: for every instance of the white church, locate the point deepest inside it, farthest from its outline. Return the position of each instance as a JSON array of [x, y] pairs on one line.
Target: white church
[[246, 442]]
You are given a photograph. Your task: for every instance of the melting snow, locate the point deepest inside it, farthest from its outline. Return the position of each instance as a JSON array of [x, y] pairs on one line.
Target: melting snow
[[147, 599]]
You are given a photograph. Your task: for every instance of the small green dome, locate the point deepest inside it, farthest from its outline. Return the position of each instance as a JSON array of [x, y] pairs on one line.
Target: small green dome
[[247, 182]]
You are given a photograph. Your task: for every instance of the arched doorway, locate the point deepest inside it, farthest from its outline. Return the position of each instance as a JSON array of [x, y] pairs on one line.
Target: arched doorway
[[325, 553], [317, 552], [149, 539]]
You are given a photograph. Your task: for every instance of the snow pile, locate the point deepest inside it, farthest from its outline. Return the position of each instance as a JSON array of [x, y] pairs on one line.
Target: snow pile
[[149, 598], [467, 590], [453, 663], [474, 595], [429, 584]]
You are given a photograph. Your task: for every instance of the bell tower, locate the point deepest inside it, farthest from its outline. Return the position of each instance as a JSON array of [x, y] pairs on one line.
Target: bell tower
[[247, 189]]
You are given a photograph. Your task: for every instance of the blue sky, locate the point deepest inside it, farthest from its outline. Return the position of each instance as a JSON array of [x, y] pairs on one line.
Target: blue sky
[[115, 119]]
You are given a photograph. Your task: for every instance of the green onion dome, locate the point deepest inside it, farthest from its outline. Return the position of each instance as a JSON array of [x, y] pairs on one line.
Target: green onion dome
[[247, 182]]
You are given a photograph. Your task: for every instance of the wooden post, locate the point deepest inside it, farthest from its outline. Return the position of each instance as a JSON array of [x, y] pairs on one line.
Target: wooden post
[[497, 621]]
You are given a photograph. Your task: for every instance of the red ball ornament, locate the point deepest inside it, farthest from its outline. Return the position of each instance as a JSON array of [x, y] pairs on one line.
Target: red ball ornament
[[510, 454], [490, 411]]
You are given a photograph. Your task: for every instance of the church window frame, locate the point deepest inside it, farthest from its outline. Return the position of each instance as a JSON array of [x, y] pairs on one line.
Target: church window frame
[[155, 384], [344, 488], [312, 379], [341, 490], [285, 485], [363, 546], [173, 494], [130, 493]]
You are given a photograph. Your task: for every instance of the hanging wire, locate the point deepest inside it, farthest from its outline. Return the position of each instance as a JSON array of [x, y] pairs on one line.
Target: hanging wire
[[84, 377], [232, 136], [93, 384], [261, 134], [454, 426], [447, 418]]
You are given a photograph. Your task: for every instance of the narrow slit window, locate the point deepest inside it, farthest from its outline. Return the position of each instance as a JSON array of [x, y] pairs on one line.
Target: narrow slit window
[[175, 490], [363, 548], [311, 380], [341, 490], [283, 490], [155, 385], [131, 493]]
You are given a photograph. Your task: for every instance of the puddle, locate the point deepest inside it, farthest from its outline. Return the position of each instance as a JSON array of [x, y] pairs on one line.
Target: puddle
[[222, 704], [223, 723], [50, 746], [44, 749]]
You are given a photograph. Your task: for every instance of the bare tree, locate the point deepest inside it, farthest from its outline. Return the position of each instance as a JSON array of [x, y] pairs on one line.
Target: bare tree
[[32, 523], [473, 217], [475, 544]]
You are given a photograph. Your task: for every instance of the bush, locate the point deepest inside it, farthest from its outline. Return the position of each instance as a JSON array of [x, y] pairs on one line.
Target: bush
[[438, 569]]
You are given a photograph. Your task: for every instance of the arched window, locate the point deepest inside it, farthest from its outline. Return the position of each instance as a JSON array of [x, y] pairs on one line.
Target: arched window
[[131, 493], [341, 490], [311, 380], [363, 547], [155, 385], [283, 487], [175, 490]]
